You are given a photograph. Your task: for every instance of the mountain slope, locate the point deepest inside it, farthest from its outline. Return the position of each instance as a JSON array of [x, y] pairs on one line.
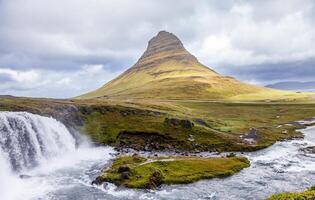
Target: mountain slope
[[166, 70]]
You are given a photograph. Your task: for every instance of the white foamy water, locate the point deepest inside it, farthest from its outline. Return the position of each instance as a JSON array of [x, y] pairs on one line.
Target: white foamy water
[[44, 152], [66, 174]]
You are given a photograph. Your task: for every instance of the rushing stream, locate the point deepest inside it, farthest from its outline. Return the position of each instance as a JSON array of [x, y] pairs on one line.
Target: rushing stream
[[41, 160]]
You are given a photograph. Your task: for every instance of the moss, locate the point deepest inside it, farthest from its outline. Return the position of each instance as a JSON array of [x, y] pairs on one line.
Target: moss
[[152, 173], [306, 195], [217, 126], [142, 124]]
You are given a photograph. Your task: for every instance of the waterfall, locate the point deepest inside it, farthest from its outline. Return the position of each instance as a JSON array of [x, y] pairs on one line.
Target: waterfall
[[27, 140]]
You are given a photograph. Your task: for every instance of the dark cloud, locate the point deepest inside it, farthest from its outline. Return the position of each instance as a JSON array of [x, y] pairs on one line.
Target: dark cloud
[[303, 70]]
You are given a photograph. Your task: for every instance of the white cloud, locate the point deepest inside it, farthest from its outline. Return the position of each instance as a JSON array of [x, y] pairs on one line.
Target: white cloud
[[243, 39], [48, 83], [21, 76]]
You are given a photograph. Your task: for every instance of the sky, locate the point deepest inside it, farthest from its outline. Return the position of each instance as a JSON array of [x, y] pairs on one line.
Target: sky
[[63, 48]]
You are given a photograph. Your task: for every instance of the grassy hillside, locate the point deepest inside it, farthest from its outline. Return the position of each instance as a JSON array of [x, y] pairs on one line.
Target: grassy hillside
[[173, 80]]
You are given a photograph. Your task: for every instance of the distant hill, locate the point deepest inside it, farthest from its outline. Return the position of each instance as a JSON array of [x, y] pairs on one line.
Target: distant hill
[[166, 70], [294, 85]]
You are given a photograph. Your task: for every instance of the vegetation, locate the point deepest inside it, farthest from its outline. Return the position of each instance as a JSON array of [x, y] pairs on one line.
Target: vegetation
[[139, 172], [202, 125], [178, 81], [306, 195], [218, 126]]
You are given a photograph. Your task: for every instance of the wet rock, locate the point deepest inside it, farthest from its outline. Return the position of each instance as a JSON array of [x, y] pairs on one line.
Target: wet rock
[[24, 176], [98, 181], [125, 175], [230, 155], [156, 179], [309, 149]]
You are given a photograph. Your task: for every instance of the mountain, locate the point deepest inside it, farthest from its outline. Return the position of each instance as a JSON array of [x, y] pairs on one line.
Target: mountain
[[166, 70], [294, 85]]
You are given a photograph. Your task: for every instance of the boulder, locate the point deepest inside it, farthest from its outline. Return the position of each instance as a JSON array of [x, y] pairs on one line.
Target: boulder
[[123, 168], [125, 175], [179, 122], [310, 149], [98, 181], [24, 176], [156, 179]]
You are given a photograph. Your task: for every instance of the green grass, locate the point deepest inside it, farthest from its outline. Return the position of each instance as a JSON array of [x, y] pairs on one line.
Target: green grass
[[223, 124], [306, 195], [171, 170], [137, 124]]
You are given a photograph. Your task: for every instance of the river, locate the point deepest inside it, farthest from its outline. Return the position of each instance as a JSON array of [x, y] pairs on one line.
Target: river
[[57, 168]]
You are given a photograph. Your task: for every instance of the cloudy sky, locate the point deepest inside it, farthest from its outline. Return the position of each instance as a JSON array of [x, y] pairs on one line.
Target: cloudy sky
[[63, 48]]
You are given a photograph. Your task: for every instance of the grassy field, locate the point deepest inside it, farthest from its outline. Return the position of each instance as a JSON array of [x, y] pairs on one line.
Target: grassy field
[[139, 172], [218, 126], [306, 195]]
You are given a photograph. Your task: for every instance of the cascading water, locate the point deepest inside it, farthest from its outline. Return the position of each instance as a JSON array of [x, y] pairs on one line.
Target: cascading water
[[39, 156], [26, 139]]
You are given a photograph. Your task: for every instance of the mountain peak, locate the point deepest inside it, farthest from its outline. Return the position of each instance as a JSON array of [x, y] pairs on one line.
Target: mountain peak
[[166, 70], [163, 41], [165, 46]]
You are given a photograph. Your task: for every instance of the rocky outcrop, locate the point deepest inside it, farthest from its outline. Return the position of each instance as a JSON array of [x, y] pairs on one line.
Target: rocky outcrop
[[251, 137], [310, 149], [163, 47], [184, 123]]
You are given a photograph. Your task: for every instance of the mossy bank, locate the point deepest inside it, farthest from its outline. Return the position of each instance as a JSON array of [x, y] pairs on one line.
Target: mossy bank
[[306, 195], [140, 172]]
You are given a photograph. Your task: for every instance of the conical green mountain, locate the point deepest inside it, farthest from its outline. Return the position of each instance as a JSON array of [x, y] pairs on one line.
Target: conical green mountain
[[166, 70]]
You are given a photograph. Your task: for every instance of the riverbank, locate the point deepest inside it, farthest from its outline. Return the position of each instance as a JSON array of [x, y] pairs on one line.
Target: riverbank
[[308, 194], [178, 126]]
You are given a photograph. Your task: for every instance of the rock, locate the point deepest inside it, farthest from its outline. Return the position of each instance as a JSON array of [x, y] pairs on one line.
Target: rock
[[179, 122], [309, 149], [156, 179], [284, 131], [125, 175], [123, 168], [230, 155], [251, 137], [201, 122], [98, 181], [191, 138], [24, 176], [252, 134], [164, 42]]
